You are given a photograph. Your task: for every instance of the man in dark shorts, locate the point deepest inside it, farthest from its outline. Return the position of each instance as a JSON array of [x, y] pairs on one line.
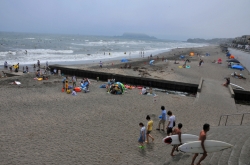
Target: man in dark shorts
[[171, 123], [176, 131], [202, 138]]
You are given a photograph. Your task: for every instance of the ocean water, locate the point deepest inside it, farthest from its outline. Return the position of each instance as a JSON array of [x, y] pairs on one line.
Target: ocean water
[[27, 48]]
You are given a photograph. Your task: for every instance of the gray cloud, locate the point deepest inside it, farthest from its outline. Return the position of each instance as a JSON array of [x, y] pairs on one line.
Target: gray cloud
[[164, 19]]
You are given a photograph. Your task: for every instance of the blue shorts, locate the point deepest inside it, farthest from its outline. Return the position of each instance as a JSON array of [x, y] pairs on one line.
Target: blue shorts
[[140, 140]]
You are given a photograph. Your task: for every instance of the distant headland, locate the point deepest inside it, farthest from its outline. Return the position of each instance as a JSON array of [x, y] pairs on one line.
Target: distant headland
[[137, 36], [211, 41]]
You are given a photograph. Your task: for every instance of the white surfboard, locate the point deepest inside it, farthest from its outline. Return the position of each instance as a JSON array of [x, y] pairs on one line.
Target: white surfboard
[[210, 146], [174, 139]]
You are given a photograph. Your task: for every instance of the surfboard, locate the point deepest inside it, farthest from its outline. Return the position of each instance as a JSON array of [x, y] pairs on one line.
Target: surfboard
[[210, 146], [174, 139], [237, 86]]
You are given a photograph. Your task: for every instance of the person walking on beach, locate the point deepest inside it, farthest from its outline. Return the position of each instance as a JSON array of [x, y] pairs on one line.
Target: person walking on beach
[[100, 64], [149, 128], [171, 122], [38, 63], [27, 69], [177, 131], [142, 137], [74, 79], [163, 118], [202, 138], [201, 62]]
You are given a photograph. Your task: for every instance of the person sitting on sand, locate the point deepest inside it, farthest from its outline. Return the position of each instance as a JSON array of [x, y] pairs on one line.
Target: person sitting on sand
[[227, 82], [74, 92], [144, 91]]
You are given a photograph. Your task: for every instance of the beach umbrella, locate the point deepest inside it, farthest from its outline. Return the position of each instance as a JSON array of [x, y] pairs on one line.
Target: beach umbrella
[[151, 62], [233, 60], [124, 60], [238, 67]]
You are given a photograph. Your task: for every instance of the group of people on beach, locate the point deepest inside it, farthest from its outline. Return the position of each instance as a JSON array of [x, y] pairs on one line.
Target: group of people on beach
[[145, 132], [84, 85]]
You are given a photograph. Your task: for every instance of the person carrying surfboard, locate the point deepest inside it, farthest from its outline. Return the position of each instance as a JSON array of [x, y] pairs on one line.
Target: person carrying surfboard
[[202, 138], [176, 131]]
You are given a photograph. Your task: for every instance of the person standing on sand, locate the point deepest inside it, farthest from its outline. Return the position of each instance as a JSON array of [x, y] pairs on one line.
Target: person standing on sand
[[171, 123], [163, 119], [142, 137], [177, 131], [200, 62], [74, 79], [202, 138], [100, 64], [149, 129]]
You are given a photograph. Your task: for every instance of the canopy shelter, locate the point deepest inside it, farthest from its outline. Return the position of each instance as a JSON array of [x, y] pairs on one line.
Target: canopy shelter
[[182, 57], [151, 62], [191, 54], [231, 56], [124, 60], [239, 67], [121, 86], [233, 60]]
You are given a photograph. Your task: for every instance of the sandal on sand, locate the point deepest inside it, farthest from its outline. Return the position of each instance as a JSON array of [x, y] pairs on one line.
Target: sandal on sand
[[142, 147], [162, 130], [157, 129]]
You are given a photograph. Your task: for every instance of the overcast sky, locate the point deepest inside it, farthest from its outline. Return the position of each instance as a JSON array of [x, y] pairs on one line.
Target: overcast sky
[[166, 19]]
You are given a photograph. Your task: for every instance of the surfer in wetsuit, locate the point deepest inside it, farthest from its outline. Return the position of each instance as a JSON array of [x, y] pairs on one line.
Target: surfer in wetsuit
[[202, 138]]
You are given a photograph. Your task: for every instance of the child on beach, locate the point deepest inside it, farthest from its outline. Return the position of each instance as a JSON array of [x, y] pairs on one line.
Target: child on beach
[[142, 137], [73, 92], [66, 85], [149, 128]]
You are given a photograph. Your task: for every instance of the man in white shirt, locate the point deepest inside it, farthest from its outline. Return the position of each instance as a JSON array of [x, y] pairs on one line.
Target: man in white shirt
[[144, 91], [171, 123]]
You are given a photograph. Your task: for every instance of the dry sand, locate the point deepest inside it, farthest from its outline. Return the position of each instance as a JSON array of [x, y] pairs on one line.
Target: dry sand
[[42, 125]]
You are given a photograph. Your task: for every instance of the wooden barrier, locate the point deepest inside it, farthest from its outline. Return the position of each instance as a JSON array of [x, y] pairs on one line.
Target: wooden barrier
[[156, 83]]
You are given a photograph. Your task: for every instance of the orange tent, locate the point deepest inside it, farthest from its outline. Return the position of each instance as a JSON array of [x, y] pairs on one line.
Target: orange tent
[[231, 56], [191, 53]]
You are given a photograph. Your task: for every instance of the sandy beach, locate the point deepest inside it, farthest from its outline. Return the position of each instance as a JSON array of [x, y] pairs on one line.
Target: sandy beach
[[42, 125]]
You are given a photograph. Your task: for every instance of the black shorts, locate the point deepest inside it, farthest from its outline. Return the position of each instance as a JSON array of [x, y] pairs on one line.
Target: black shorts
[[148, 132], [169, 130]]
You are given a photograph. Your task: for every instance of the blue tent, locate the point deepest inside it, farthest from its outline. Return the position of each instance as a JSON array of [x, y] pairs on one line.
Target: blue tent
[[182, 56], [151, 62], [124, 60], [238, 67], [228, 54]]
